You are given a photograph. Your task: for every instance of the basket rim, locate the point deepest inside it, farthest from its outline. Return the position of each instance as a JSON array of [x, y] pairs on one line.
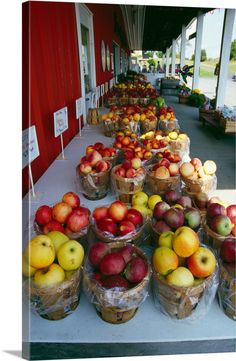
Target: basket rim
[[212, 233], [175, 177]]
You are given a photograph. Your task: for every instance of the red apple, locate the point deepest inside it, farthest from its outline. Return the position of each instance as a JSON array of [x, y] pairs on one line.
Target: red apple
[[102, 166], [61, 211], [115, 281], [136, 269], [231, 211], [127, 252], [82, 211], [228, 250], [126, 165], [202, 263], [76, 221], [159, 210], [72, 199], [85, 167], [107, 225], [215, 209], [120, 172], [128, 154], [130, 173], [196, 162], [171, 196], [53, 226], [96, 252], [43, 215], [93, 157], [161, 227], [112, 264], [135, 217], [164, 162], [98, 146], [185, 201], [126, 227], [221, 225], [118, 211], [201, 200], [100, 213], [174, 218]]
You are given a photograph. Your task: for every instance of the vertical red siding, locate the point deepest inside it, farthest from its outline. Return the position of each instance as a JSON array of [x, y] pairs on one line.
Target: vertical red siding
[[51, 61]]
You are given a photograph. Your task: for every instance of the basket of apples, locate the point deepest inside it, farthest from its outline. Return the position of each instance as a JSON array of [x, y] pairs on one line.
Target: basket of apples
[[117, 222], [185, 275], [178, 142], [66, 216], [93, 174], [227, 284], [138, 152], [128, 178], [110, 123], [115, 280], [172, 212], [148, 121], [220, 224], [51, 266], [162, 176], [197, 177], [125, 139], [108, 153]]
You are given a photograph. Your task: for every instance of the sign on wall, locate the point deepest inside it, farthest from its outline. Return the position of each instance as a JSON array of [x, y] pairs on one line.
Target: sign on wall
[[102, 90], [98, 91], [60, 121], [79, 107], [30, 149]]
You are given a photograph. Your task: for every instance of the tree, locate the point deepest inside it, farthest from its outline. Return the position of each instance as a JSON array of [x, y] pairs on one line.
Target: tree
[[233, 50], [203, 55]]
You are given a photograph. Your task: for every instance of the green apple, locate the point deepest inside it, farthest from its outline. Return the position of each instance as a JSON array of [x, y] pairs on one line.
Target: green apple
[[165, 239], [58, 238], [49, 276], [181, 277], [153, 200], [70, 255], [140, 199]]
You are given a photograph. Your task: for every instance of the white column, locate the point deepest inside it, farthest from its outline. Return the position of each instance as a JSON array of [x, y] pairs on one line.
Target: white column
[[224, 56], [197, 54], [183, 46], [167, 61], [163, 60], [173, 57]]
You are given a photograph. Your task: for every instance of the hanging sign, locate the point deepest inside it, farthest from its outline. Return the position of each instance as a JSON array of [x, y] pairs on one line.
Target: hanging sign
[[102, 90], [60, 121], [30, 149], [78, 107]]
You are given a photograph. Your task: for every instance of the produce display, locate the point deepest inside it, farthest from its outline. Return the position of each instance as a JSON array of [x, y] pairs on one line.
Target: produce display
[[66, 216], [166, 113]]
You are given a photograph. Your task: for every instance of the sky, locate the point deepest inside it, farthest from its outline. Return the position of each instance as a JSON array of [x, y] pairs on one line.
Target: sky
[[212, 32]]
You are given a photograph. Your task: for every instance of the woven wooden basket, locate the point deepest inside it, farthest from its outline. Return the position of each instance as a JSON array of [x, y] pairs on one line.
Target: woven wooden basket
[[227, 291], [147, 125], [110, 127], [179, 147], [57, 302], [199, 185], [112, 101], [183, 99], [132, 126], [116, 306], [123, 100], [160, 186], [95, 186], [168, 126], [178, 302], [213, 239], [113, 160], [127, 185]]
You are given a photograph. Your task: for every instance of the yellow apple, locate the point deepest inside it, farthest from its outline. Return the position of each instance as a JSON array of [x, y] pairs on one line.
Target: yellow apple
[[143, 209], [70, 255], [40, 252], [140, 199], [68, 274], [173, 135], [164, 260], [181, 277], [185, 241], [49, 276], [153, 200], [58, 238], [27, 270], [165, 239]]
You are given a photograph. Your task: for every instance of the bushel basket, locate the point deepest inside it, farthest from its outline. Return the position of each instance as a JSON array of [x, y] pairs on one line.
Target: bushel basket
[[127, 185], [147, 125], [227, 291], [214, 239], [160, 186], [200, 185]]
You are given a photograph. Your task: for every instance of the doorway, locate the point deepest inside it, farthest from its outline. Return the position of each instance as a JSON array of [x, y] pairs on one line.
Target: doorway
[[84, 19]]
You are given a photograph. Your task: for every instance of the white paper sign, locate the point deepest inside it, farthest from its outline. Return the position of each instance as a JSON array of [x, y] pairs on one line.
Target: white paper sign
[[60, 121], [78, 107], [111, 83], [98, 91], [106, 87], [30, 148], [102, 89]]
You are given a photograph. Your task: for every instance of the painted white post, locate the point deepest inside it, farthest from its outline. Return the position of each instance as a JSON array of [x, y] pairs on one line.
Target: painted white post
[[197, 54], [173, 57], [167, 61], [163, 60], [224, 56], [183, 46]]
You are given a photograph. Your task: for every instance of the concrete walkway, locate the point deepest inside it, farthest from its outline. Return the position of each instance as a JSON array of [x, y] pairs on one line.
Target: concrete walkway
[[204, 144]]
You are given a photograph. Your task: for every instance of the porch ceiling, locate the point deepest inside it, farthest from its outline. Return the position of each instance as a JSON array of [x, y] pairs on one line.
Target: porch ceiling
[[164, 23]]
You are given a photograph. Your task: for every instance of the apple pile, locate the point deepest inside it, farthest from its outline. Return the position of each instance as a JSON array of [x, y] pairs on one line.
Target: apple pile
[[222, 220], [167, 218], [157, 134], [195, 170], [138, 152], [123, 141], [117, 220], [174, 135], [92, 162], [106, 152], [130, 168], [164, 169], [170, 156], [66, 216], [121, 269], [166, 113], [110, 117], [155, 143], [181, 260], [50, 259], [145, 204]]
